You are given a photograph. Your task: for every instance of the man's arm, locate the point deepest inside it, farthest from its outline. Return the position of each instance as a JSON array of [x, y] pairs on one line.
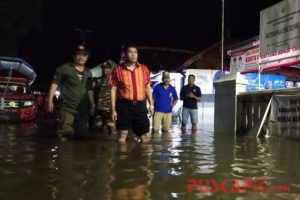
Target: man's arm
[[90, 92], [197, 98], [198, 94], [175, 98], [174, 103], [113, 92], [150, 99], [92, 102], [56, 82], [91, 98], [181, 94], [52, 90]]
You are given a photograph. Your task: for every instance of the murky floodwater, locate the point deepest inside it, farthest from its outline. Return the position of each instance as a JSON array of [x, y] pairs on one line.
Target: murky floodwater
[[34, 165]]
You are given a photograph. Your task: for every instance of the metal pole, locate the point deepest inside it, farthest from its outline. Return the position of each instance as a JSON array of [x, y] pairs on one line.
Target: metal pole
[[259, 68], [222, 39]]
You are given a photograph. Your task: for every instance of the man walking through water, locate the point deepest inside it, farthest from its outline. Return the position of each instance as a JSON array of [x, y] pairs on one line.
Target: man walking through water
[[190, 94], [165, 98], [130, 87], [75, 84], [103, 100]]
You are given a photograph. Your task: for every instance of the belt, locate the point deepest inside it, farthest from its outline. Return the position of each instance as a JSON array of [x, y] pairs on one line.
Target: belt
[[133, 102]]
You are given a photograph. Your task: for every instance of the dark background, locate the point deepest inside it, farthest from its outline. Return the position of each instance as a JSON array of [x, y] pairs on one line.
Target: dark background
[[44, 32]]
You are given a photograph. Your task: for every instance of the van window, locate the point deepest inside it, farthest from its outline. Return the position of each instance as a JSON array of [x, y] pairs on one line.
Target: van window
[[13, 88]]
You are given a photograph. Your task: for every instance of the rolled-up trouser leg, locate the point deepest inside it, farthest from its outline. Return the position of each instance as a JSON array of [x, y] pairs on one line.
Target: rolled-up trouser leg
[[157, 118], [166, 122]]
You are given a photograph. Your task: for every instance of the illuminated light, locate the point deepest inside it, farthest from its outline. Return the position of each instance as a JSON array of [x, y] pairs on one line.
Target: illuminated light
[[28, 103], [12, 104]]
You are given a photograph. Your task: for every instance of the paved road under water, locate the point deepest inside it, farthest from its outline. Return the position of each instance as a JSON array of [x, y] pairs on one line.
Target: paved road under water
[[35, 165]]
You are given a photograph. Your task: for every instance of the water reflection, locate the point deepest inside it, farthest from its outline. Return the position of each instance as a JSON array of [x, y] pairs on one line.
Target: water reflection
[[251, 158], [255, 159], [36, 165], [82, 170], [130, 173], [178, 157], [22, 166]]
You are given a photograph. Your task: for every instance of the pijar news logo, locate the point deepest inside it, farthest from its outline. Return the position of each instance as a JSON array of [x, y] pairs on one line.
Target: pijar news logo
[[234, 186]]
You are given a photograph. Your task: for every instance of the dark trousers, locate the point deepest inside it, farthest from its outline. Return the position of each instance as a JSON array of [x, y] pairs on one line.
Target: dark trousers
[[73, 124], [132, 115]]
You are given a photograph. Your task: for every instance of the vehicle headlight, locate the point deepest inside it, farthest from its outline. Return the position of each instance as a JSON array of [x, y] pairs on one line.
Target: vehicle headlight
[[28, 103], [12, 104]]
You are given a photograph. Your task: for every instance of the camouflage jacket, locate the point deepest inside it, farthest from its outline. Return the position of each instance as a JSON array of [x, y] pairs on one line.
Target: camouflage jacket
[[102, 93]]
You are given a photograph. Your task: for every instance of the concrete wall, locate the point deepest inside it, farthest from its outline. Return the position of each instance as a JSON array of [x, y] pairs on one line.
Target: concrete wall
[[226, 89]]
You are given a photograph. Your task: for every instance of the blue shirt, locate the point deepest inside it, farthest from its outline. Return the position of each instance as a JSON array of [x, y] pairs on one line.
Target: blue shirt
[[187, 101], [164, 97]]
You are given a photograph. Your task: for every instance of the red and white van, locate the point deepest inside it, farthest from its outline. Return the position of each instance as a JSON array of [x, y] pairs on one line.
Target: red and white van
[[17, 102]]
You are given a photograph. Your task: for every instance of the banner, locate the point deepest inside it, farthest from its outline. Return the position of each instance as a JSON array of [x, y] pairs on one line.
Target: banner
[[267, 81], [284, 118], [279, 30], [244, 60]]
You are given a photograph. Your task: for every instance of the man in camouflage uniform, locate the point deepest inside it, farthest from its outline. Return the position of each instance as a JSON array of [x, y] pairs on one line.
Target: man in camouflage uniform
[[103, 100]]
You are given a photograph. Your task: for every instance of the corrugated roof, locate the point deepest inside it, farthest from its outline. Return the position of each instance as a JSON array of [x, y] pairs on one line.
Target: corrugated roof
[[161, 58], [209, 58]]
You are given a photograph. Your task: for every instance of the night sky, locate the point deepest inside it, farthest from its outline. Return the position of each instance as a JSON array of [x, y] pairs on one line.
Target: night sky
[[189, 25]]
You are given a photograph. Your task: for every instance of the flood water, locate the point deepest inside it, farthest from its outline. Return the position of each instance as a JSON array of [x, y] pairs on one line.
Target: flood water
[[35, 165]]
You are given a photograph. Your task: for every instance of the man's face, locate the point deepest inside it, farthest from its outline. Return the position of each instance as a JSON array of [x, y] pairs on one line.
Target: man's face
[[106, 71], [166, 81], [191, 80], [132, 54], [80, 59]]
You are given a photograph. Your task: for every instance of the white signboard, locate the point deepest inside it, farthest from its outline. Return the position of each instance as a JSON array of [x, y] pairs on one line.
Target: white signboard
[[204, 79], [279, 30], [285, 115]]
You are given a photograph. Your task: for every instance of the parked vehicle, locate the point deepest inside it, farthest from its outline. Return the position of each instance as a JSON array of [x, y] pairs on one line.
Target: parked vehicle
[[17, 100]]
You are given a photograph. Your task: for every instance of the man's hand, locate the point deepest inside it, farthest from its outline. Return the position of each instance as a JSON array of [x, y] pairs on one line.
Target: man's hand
[[114, 115], [50, 107], [190, 95], [151, 110], [92, 110]]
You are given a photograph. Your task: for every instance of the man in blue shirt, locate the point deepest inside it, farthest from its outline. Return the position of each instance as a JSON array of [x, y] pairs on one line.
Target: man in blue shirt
[[190, 94], [165, 98]]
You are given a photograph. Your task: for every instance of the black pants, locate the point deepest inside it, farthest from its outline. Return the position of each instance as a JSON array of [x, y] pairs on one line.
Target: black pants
[[132, 114]]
